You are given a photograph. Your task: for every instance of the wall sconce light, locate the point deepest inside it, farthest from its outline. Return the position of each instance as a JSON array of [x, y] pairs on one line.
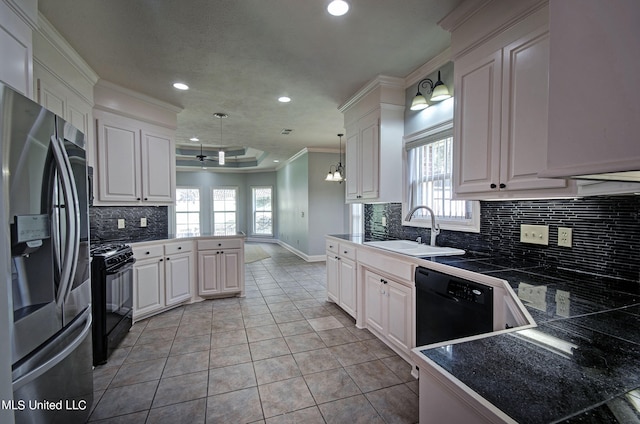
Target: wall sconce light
[[438, 91], [337, 172]]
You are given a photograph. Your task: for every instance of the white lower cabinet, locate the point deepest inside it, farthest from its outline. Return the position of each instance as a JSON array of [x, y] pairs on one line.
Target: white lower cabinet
[[341, 277], [163, 276], [220, 267], [148, 286], [388, 306]]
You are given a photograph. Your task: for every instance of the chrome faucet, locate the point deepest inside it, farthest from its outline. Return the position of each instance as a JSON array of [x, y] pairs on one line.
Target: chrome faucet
[[435, 228]]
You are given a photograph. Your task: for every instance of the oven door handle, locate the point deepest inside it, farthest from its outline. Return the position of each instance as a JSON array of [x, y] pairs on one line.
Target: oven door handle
[[124, 267]]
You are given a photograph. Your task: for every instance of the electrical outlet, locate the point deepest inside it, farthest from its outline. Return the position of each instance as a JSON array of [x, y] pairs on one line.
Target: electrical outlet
[[534, 296], [143, 222], [384, 221], [565, 236], [535, 234], [563, 303], [120, 223]]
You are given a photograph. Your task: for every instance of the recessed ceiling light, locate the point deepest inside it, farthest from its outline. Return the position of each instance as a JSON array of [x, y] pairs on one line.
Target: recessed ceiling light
[[276, 160], [180, 86], [338, 7], [194, 139], [284, 99]]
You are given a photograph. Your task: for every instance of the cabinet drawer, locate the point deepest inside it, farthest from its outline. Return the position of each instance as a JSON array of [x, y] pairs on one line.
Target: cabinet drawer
[[332, 246], [347, 251], [181, 247], [219, 244], [145, 252]]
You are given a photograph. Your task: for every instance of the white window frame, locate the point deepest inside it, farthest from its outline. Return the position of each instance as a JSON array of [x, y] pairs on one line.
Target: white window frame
[[417, 139], [213, 211], [253, 211], [173, 210]]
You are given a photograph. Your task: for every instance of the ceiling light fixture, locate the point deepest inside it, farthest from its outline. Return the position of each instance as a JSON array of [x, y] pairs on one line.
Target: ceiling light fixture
[[337, 172], [438, 91], [338, 7], [180, 86], [220, 116], [284, 99]]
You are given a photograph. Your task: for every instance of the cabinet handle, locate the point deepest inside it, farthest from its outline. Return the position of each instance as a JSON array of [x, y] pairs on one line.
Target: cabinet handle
[[493, 186], [502, 185]]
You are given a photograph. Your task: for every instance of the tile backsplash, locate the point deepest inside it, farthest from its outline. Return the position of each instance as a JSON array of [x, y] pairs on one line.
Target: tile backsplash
[[606, 232], [103, 221]]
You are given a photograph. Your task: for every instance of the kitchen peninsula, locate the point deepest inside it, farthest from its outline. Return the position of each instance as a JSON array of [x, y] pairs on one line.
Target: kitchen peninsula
[[177, 270]]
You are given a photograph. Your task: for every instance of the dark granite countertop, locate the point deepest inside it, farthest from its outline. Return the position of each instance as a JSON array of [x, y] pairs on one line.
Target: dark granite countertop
[[586, 366]]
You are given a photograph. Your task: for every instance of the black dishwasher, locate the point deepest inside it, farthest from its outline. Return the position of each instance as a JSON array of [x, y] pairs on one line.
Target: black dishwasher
[[448, 307]]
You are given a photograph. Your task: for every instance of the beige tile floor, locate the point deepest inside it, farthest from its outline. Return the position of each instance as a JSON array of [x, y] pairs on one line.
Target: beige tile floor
[[282, 354]]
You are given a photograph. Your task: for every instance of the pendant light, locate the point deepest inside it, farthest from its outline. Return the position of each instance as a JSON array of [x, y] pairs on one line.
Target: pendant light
[[337, 172], [220, 116]]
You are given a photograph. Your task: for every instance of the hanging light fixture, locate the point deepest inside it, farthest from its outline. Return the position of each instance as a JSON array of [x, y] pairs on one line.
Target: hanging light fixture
[[337, 172], [439, 92], [220, 116]]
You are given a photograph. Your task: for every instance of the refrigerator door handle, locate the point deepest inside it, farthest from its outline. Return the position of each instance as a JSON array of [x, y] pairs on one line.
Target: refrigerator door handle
[[72, 239], [35, 369]]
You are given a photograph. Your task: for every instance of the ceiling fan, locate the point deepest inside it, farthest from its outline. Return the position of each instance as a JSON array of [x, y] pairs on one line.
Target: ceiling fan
[[202, 157]]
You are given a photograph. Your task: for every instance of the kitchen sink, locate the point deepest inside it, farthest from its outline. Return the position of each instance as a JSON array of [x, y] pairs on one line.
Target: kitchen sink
[[413, 248]]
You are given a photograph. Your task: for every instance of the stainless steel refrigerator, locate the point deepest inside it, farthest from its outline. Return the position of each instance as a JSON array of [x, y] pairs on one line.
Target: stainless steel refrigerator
[[44, 196]]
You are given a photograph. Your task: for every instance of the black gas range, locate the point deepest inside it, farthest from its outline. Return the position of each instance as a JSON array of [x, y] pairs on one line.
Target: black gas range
[[111, 296]]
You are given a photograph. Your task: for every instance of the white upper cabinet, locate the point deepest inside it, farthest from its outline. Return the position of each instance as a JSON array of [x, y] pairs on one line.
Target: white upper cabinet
[[374, 123], [16, 45], [501, 106], [594, 90], [135, 157]]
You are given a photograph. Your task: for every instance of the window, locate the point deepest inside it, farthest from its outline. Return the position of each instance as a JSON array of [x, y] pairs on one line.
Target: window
[[262, 204], [430, 172], [225, 210], [187, 212]]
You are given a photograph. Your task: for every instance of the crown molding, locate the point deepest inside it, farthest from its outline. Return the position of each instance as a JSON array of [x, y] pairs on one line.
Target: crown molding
[[379, 81], [138, 96], [429, 67]]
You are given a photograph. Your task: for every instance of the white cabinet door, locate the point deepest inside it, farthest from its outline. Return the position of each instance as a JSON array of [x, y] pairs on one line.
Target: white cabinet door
[[333, 283], [375, 301], [208, 271], [158, 168], [353, 160], [399, 315], [230, 268], [369, 156], [347, 278], [118, 162], [148, 286], [477, 123], [525, 102], [179, 274]]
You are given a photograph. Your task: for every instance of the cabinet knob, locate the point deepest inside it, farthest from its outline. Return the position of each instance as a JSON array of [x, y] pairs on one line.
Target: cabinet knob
[[147, 253], [146, 199], [345, 252], [502, 185], [168, 258], [160, 260], [137, 198], [179, 247], [493, 186]]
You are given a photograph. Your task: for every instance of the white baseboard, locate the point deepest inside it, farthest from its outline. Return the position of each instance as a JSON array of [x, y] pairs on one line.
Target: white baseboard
[[261, 240], [312, 258]]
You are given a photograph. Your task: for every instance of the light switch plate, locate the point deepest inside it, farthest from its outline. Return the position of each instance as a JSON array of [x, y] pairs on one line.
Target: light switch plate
[[534, 234], [120, 223]]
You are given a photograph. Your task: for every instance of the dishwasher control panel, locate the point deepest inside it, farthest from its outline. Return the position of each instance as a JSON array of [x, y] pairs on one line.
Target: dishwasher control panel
[[469, 292]]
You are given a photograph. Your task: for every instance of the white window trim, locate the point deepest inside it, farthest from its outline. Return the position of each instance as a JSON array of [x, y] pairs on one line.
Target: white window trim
[[211, 189], [172, 210], [471, 226], [273, 213]]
